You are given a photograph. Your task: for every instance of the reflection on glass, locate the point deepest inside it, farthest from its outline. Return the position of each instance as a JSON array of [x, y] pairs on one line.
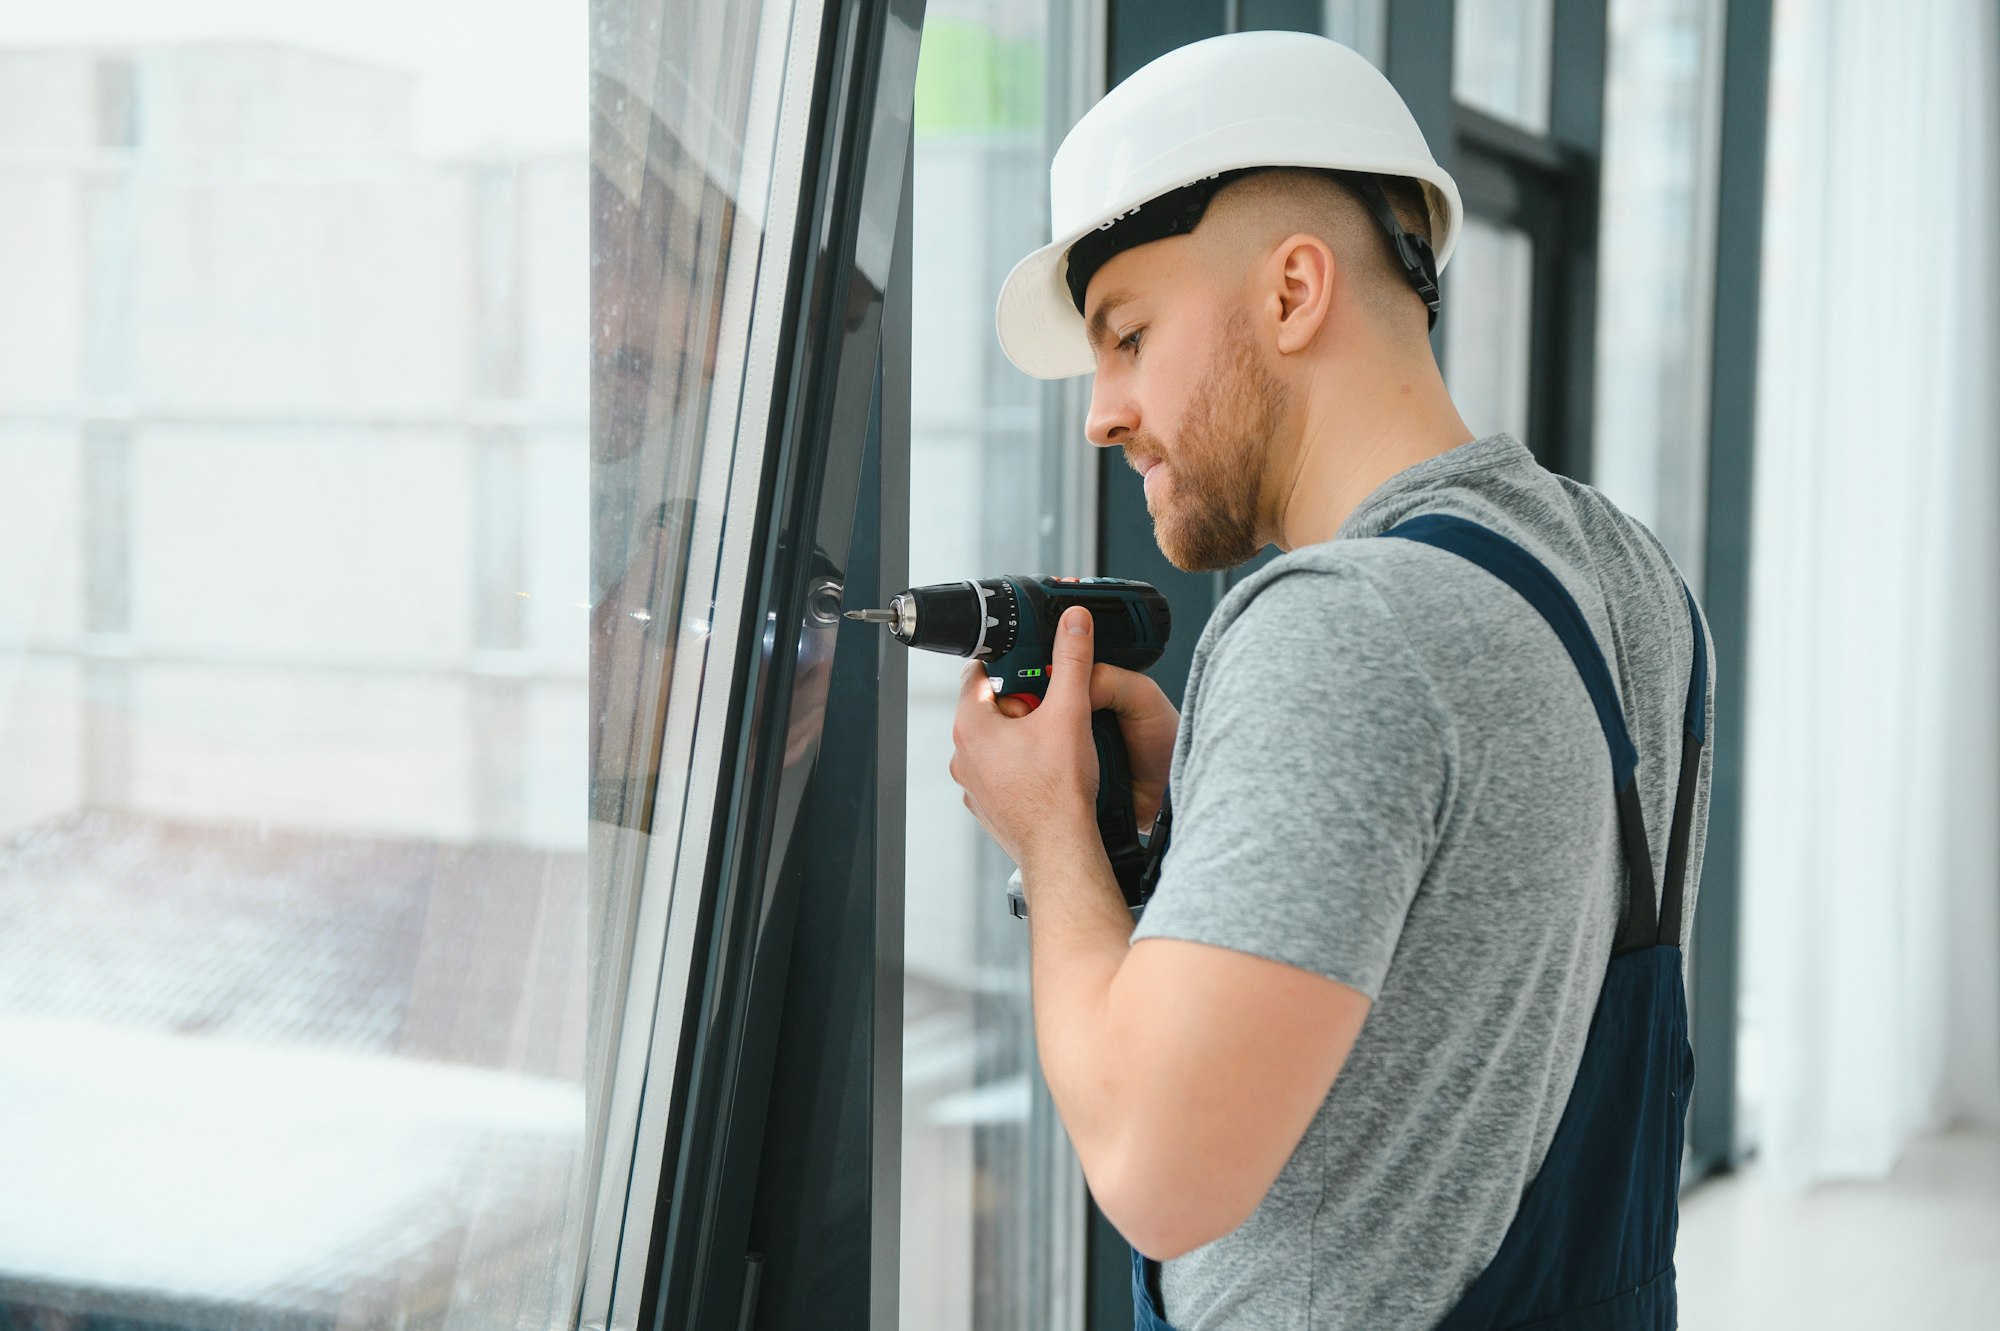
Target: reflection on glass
[[980, 1143], [1488, 316], [1660, 109], [293, 504], [1500, 59]]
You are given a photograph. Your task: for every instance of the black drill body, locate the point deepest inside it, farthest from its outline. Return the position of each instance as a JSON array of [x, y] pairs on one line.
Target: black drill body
[[1009, 625]]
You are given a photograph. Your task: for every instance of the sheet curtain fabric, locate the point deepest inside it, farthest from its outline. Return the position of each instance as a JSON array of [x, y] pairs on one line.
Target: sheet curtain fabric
[[1872, 823]]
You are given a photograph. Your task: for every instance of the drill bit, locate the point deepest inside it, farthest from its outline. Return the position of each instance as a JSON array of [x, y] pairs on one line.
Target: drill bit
[[873, 616]]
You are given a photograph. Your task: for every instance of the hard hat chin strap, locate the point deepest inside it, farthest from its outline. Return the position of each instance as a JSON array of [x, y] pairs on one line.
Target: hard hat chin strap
[[1177, 212], [1413, 253]]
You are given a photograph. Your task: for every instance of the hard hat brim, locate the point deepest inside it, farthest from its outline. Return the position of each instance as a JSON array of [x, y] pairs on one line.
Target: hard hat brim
[[1039, 327]]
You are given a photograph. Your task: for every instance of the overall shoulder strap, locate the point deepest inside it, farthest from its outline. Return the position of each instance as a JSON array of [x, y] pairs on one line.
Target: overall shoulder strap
[[1545, 592]]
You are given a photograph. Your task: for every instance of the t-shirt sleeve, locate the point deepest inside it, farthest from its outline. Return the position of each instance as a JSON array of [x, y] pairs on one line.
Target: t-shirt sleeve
[[1313, 788]]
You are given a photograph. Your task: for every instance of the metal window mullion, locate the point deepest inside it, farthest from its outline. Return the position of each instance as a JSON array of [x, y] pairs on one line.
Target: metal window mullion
[[1417, 57], [692, 750], [1726, 544], [1577, 69], [1515, 148], [1079, 50], [892, 570], [1700, 354], [727, 523], [733, 1177], [1548, 185]]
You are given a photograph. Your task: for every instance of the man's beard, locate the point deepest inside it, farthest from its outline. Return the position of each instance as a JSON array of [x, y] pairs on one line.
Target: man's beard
[[1208, 518]]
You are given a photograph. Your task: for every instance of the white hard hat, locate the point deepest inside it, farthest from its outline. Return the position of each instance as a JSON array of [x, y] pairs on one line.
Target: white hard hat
[[1250, 99]]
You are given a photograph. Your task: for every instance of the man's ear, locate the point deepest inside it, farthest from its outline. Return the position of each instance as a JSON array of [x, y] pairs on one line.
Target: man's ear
[[1303, 281]]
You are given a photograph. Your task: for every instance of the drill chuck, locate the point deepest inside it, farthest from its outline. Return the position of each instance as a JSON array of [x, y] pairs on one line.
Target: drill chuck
[[958, 618]]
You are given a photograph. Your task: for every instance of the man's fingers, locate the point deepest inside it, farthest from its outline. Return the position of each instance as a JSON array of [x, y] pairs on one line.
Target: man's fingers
[[1070, 678], [973, 682], [1126, 692], [1109, 687]]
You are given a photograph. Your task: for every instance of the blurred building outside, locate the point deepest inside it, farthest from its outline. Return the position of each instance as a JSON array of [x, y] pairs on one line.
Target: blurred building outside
[[292, 695]]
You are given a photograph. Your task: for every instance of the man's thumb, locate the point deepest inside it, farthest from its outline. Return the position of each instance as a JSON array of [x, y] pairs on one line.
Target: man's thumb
[[1073, 654]]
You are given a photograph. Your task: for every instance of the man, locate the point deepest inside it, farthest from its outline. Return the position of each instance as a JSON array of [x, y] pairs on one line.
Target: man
[[1321, 1078]]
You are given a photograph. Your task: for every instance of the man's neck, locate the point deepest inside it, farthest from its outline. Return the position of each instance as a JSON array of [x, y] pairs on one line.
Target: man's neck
[[1354, 436]]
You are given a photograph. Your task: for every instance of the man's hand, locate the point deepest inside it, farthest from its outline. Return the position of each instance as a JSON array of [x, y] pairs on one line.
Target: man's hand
[[1031, 780], [1148, 722]]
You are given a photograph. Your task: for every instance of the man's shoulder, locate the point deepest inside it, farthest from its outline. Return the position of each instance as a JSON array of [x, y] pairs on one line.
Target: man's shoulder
[[1292, 606], [1320, 627], [1354, 568], [1346, 584]]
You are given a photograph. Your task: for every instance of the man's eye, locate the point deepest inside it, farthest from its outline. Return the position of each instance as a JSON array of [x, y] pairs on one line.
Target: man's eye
[[1130, 341]]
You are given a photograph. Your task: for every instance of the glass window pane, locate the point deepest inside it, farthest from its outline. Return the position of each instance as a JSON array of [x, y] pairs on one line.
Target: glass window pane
[[1500, 59], [1359, 24], [698, 136], [293, 652], [1660, 114], [1488, 317], [1279, 15], [989, 1191]]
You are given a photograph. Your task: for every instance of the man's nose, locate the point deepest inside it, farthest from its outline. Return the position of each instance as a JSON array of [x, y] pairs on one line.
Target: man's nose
[[1113, 417]]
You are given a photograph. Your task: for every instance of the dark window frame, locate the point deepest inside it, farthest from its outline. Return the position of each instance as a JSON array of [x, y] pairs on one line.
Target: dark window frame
[[778, 1200]]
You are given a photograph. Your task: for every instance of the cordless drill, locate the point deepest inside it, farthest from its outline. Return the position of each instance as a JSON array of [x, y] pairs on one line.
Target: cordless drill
[[1008, 624]]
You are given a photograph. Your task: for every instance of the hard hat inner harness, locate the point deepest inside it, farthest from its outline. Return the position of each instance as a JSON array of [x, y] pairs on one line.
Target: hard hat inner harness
[[1177, 212]]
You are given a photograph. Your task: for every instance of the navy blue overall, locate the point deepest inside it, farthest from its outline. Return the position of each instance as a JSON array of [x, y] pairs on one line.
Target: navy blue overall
[[1592, 1246]]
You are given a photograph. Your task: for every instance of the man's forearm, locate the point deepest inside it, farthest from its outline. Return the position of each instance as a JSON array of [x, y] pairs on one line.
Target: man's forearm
[[1080, 932]]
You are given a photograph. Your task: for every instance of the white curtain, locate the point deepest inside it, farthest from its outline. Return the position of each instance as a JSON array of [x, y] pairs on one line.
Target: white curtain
[[1872, 826]]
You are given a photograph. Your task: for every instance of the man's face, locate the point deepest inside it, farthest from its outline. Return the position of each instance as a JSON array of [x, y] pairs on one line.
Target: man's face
[[1182, 383]]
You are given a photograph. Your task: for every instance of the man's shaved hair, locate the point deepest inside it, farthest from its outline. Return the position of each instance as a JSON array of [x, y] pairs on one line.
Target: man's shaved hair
[[1258, 211]]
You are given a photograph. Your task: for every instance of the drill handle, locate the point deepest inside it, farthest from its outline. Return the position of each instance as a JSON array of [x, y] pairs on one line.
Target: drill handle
[[1136, 866], [1117, 820]]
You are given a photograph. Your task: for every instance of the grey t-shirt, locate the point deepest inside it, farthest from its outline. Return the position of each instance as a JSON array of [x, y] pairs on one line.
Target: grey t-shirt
[[1389, 773]]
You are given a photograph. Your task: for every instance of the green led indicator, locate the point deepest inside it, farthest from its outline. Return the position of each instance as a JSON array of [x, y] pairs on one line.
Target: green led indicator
[[1031, 674]]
